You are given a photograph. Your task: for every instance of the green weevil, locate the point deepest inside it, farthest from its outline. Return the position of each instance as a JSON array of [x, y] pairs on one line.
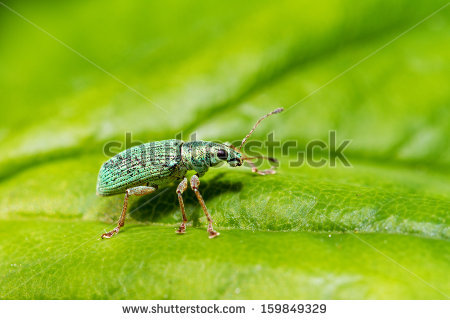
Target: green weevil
[[140, 170]]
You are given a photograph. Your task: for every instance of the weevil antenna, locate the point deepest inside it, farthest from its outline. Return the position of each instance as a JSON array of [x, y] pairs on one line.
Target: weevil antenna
[[256, 124]]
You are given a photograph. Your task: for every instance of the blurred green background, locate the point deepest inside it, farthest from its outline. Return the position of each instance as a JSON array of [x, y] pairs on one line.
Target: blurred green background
[[378, 230]]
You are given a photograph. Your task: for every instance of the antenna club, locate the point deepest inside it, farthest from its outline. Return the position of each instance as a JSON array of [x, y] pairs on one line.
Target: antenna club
[[278, 110]]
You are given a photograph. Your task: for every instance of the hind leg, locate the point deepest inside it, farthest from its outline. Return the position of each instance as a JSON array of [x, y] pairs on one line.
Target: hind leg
[[136, 191]]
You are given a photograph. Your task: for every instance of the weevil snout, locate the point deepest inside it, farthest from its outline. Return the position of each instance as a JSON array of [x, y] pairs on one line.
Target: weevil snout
[[235, 162], [221, 152]]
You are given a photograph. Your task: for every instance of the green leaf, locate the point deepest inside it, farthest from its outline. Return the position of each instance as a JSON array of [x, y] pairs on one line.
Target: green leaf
[[65, 260], [376, 230]]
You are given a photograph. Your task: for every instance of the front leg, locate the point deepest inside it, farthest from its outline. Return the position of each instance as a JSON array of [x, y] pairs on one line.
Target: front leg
[[261, 172], [195, 183], [182, 188], [136, 191]]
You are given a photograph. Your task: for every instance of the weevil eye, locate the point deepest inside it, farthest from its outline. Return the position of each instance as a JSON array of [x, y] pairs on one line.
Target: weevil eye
[[222, 154]]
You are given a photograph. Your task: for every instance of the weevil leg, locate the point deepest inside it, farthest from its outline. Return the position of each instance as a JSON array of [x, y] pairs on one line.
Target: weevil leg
[[180, 189], [136, 191], [195, 183], [261, 172]]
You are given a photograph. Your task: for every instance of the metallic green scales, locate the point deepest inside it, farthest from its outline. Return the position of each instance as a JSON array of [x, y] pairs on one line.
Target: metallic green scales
[[158, 163], [152, 164]]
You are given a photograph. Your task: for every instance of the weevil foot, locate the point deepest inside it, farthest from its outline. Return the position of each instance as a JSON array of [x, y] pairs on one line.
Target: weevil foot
[[212, 233], [181, 229], [111, 233], [263, 172]]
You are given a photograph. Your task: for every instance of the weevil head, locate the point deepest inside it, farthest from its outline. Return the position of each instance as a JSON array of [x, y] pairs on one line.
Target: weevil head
[[220, 152], [201, 155]]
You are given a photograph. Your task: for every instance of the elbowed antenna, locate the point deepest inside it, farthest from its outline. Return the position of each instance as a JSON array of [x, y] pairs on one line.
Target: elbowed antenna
[[256, 124]]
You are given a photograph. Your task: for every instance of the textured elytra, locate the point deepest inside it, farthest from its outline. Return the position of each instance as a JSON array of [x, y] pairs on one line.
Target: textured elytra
[[153, 164]]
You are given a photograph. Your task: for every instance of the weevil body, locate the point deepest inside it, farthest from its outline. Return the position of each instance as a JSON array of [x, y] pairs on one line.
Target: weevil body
[[140, 170]]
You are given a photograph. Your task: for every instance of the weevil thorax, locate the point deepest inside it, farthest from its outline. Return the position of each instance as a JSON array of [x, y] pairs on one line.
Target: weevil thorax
[[201, 155]]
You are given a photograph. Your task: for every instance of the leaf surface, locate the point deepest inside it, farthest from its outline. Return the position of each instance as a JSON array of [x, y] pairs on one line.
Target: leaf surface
[[376, 230]]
